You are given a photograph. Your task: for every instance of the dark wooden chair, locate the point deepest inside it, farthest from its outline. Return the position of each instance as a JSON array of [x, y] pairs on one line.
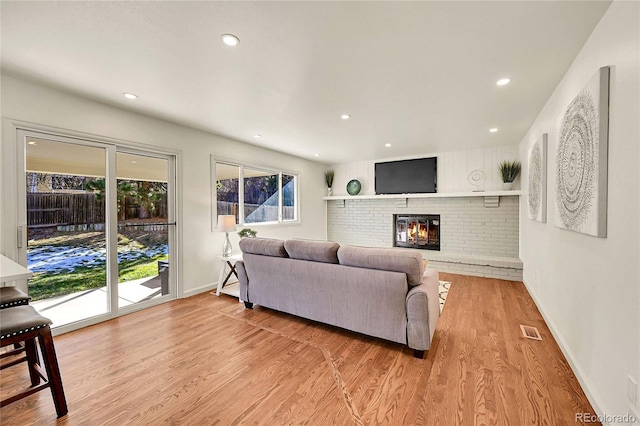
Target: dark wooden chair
[[13, 296], [23, 325]]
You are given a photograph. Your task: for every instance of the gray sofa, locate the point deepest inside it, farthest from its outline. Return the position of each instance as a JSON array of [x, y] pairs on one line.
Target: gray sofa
[[380, 292]]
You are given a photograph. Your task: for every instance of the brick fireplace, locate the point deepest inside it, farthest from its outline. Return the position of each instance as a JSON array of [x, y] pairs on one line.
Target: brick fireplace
[[421, 231], [474, 239]]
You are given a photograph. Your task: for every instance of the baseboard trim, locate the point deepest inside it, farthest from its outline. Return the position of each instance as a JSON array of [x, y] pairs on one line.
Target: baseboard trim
[[584, 383], [198, 290], [634, 410]]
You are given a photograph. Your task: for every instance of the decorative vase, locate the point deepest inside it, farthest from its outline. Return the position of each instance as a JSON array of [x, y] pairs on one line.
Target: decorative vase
[[329, 192], [354, 186], [507, 186]]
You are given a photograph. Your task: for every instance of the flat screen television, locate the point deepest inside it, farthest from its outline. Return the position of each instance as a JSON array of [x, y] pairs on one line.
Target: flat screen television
[[407, 176]]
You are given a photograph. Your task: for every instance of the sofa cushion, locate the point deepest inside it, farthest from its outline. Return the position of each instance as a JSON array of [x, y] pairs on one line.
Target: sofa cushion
[[263, 246], [317, 251], [387, 259]]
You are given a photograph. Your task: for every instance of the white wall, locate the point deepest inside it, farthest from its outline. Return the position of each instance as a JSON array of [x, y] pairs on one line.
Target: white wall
[[587, 288], [29, 102], [453, 170]]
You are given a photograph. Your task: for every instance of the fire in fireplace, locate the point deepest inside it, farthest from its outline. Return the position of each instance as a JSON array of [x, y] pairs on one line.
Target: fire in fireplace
[[417, 231]]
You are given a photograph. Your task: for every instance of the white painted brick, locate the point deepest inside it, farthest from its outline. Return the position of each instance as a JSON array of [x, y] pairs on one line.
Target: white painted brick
[[467, 227]]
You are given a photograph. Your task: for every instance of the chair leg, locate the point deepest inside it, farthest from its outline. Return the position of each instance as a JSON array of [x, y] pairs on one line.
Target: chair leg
[[32, 360], [53, 371]]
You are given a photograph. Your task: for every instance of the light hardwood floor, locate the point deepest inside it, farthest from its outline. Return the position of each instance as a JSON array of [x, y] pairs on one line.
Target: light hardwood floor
[[207, 360]]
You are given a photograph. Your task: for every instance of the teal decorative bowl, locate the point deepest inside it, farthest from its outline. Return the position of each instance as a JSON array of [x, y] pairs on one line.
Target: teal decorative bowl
[[354, 187]]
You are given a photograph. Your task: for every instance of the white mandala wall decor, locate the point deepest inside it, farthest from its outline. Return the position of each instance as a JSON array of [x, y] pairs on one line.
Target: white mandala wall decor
[[581, 160], [538, 180]]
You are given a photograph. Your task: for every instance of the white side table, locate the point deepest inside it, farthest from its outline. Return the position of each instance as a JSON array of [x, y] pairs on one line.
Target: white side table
[[228, 262]]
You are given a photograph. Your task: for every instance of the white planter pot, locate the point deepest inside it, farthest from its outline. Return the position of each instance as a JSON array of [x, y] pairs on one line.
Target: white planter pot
[[507, 186]]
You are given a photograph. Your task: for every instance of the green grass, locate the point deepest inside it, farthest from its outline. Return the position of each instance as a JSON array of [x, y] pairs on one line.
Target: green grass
[[46, 285], [141, 268]]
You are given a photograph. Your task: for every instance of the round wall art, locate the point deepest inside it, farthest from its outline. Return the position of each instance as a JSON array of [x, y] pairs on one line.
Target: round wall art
[[577, 162], [538, 180], [581, 160], [354, 187], [535, 178]]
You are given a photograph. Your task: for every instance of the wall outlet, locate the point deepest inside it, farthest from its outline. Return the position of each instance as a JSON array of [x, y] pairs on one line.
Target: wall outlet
[[632, 390]]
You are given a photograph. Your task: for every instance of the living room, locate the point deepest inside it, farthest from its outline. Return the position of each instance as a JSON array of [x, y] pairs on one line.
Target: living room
[[586, 288]]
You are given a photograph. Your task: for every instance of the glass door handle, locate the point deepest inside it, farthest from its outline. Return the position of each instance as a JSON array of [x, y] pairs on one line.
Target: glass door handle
[[20, 234]]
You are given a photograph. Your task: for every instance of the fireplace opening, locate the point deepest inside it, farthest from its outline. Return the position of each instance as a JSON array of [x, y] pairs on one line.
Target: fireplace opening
[[421, 231]]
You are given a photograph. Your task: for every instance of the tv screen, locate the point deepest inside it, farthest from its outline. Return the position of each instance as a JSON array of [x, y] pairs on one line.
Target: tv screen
[[407, 176]]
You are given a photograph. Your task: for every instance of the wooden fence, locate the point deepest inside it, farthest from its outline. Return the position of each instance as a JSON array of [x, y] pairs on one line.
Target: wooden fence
[[256, 212], [44, 210], [63, 209]]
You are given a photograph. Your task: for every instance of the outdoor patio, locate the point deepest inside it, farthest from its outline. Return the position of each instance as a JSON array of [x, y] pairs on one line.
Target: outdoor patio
[[63, 310]]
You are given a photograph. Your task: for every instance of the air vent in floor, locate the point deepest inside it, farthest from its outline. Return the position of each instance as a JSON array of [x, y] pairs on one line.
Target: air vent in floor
[[530, 332]]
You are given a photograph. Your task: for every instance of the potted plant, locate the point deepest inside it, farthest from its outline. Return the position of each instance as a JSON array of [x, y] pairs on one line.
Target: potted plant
[[247, 232], [509, 170], [328, 177]]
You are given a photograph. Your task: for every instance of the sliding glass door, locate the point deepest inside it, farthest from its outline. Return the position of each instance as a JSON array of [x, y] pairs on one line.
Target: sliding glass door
[[100, 228], [66, 240], [144, 228]]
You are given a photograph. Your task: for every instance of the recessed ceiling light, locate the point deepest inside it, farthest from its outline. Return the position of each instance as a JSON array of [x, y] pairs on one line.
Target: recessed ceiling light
[[130, 95], [257, 136], [230, 39], [503, 81], [316, 155], [134, 162], [387, 145], [345, 116], [493, 130], [32, 143]]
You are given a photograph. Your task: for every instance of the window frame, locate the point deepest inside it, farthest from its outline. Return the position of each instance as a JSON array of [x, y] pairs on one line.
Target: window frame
[[215, 160]]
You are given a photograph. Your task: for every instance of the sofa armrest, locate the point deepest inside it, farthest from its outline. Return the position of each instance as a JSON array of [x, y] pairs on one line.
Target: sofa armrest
[[243, 279], [423, 311]]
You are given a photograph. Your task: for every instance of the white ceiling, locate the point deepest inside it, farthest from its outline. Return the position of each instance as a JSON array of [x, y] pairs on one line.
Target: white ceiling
[[418, 75]]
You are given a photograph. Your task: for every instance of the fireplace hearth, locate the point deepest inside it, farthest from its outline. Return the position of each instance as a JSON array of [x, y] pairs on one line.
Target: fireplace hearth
[[420, 231]]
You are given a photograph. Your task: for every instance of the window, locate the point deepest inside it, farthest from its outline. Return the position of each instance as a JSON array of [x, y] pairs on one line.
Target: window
[[264, 196], [289, 204], [227, 178]]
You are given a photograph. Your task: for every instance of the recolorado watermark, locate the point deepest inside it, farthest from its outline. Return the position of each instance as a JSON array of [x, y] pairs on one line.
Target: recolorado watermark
[[605, 418]]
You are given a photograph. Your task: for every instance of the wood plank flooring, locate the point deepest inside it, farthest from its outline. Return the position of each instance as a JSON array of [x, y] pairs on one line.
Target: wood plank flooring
[[207, 360]]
